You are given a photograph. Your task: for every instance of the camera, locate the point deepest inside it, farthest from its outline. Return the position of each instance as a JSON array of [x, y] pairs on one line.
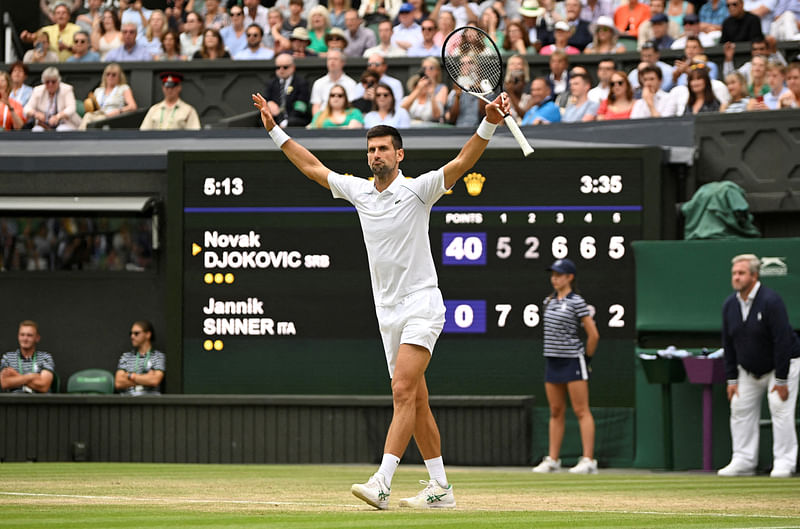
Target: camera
[[421, 73], [39, 47]]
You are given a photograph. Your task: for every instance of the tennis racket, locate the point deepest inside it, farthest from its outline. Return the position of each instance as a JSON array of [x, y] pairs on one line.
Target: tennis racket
[[473, 62]]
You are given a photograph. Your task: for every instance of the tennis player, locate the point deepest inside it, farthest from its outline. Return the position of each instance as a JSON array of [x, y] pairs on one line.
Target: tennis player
[[394, 214]]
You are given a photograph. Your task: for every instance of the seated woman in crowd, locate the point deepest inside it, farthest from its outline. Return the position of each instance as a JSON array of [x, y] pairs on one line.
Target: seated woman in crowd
[[171, 43], [737, 87], [384, 111], [516, 40], [213, 47], [11, 112], [758, 76], [701, 95], [620, 99], [156, 28], [52, 104], [41, 52], [791, 99], [446, 23], [423, 103], [192, 38], [215, 15], [561, 33], [490, 23], [19, 90], [112, 98], [337, 113], [420, 11], [606, 37], [106, 34], [319, 24]]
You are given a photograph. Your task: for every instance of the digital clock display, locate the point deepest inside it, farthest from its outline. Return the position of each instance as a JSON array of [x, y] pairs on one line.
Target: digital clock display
[[275, 280]]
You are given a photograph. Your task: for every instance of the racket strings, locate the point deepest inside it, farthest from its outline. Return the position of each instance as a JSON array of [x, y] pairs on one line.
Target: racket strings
[[471, 60]]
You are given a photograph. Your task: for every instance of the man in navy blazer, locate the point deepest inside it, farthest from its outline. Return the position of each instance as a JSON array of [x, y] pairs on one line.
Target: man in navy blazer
[[295, 109], [762, 355]]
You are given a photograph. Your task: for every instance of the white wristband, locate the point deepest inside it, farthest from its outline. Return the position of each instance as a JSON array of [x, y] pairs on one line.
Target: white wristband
[[486, 129], [278, 136]]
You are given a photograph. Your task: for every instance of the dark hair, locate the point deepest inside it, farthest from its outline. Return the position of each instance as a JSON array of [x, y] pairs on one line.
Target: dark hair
[[254, 25], [220, 49], [628, 88], [379, 131], [652, 69], [367, 74], [114, 17], [584, 76], [695, 39], [708, 93], [146, 327], [175, 37], [391, 111], [19, 64]]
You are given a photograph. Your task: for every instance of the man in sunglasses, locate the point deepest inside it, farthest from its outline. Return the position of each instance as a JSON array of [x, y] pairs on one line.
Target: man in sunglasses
[[255, 50], [140, 370], [740, 26], [288, 94], [80, 49]]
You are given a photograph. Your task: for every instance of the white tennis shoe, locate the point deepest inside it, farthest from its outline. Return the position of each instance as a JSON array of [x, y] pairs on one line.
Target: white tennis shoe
[[547, 465], [736, 468], [433, 496], [585, 466], [375, 492]]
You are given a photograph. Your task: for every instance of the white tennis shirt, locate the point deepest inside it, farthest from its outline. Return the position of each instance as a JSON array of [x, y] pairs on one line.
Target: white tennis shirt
[[395, 227]]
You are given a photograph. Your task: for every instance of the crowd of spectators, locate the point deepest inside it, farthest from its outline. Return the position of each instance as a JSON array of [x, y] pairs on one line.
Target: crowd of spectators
[[120, 31], [67, 243]]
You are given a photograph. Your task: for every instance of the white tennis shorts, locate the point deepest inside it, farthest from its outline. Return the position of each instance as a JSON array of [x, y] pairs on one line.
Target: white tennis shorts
[[417, 319]]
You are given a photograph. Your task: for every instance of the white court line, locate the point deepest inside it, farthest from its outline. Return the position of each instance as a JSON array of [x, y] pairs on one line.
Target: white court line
[[315, 504], [176, 500]]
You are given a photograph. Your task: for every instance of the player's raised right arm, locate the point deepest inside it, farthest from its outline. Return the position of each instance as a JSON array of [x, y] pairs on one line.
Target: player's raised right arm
[[307, 163]]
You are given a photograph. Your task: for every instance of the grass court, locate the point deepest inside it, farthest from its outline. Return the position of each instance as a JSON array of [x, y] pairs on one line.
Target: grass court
[[133, 495]]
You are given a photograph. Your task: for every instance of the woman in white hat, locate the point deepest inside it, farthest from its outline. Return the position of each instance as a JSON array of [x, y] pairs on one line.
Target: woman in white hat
[[562, 33], [606, 38]]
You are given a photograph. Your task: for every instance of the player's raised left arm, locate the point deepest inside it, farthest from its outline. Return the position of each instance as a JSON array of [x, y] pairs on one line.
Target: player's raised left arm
[[307, 163], [473, 149]]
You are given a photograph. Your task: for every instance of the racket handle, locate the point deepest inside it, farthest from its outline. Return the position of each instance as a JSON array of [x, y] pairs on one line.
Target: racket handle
[[517, 133]]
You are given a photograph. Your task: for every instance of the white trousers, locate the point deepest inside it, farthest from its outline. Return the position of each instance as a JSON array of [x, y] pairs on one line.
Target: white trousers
[[785, 27], [746, 412]]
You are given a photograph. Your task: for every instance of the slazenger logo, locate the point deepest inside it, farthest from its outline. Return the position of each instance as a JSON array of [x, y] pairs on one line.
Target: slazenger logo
[[774, 266]]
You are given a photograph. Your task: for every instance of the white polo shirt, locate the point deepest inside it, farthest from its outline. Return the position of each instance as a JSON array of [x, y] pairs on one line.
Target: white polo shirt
[[395, 227]]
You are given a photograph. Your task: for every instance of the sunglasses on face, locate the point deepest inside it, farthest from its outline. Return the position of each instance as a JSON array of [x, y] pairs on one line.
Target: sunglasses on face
[[111, 74], [337, 95], [236, 13], [51, 81], [617, 83], [81, 41], [253, 35], [428, 28], [136, 333], [282, 66], [383, 94], [374, 64]]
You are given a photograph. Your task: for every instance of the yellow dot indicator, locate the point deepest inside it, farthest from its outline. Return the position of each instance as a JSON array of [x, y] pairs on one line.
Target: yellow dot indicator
[[218, 345], [229, 278], [208, 345], [218, 278], [208, 278]]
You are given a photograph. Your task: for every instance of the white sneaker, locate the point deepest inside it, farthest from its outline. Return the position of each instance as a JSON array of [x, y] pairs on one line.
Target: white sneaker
[[547, 465], [375, 492], [780, 473], [735, 468], [433, 496], [585, 466]]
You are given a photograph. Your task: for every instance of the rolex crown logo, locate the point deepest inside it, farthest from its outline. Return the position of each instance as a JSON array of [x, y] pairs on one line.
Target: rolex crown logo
[[474, 182]]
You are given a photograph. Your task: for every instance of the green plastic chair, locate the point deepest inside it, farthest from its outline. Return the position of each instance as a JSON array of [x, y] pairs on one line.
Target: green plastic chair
[[91, 381]]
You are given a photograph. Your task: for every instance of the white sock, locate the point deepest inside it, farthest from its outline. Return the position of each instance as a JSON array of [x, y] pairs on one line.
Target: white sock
[[388, 466], [435, 468]]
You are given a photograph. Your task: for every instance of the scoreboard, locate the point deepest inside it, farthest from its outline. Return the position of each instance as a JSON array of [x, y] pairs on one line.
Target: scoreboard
[[271, 281]]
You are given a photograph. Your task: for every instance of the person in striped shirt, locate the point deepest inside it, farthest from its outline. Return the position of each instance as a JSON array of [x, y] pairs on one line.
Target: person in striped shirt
[[27, 370], [141, 370], [567, 371]]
